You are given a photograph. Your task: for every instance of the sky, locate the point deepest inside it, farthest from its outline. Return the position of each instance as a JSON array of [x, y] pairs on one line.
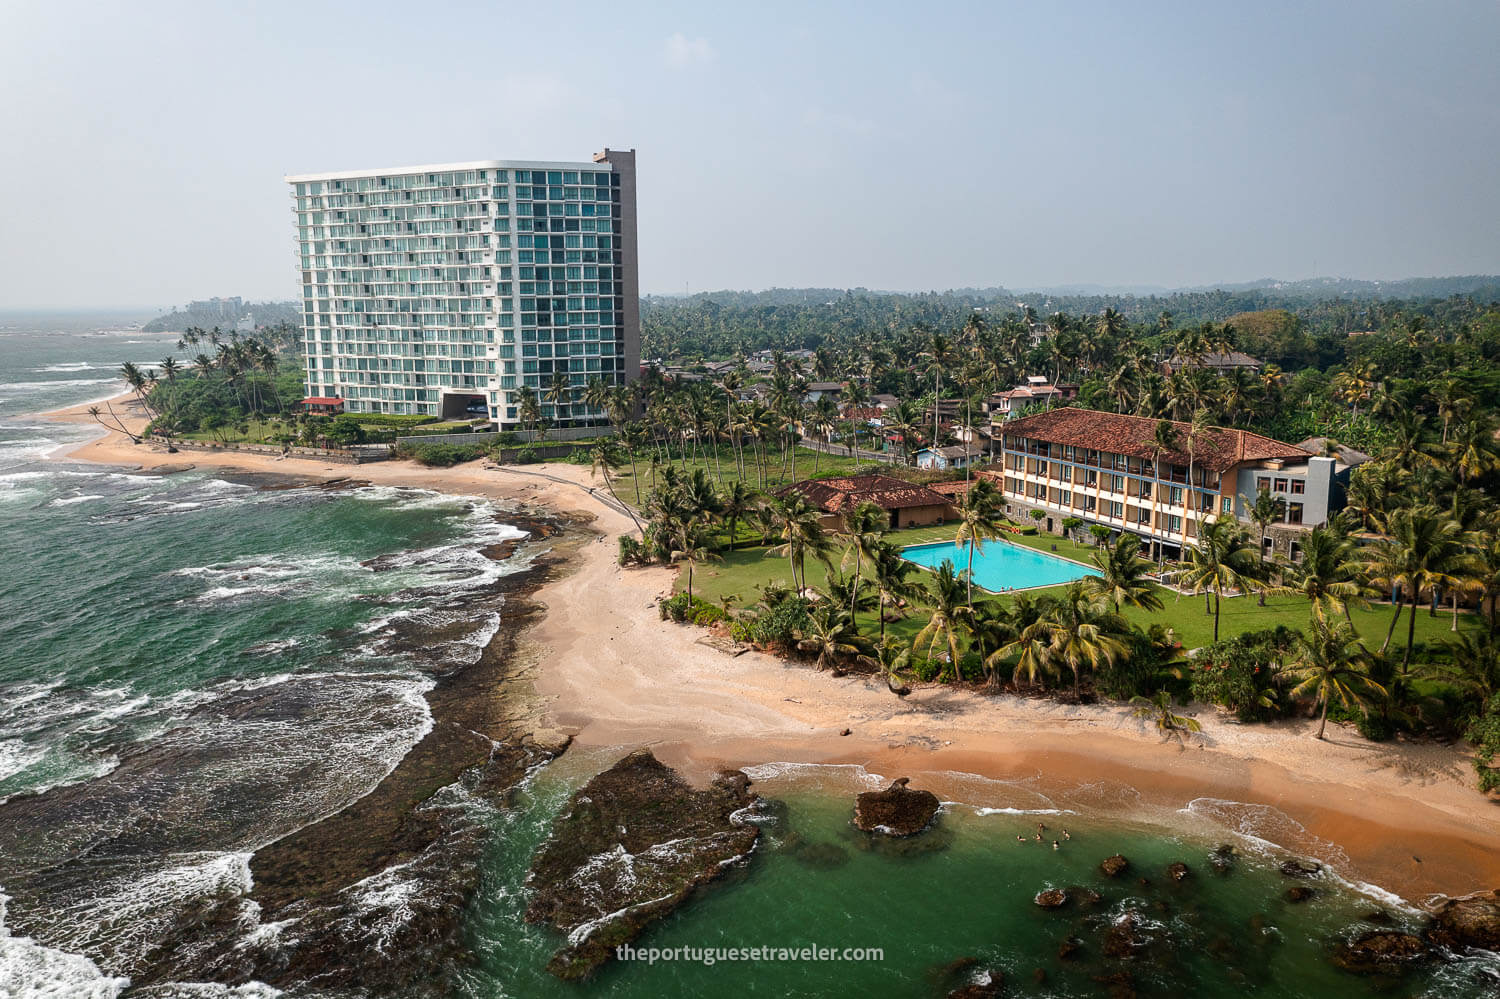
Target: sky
[[898, 146]]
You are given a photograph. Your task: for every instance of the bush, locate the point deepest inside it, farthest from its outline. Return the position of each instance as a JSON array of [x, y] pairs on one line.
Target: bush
[[1238, 674], [441, 455], [678, 608], [1484, 733], [528, 456], [742, 629], [781, 622], [632, 552]]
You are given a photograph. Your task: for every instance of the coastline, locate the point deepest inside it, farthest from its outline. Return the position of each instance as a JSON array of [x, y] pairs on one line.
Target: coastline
[[611, 674]]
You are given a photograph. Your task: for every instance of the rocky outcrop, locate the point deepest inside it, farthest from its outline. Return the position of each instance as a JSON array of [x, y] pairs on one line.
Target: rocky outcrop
[[1179, 871], [1381, 952], [896, 811], [987, 985], [1222, 859], [1052, 898], [1123, 938], [1467, 921], [635, 843], [1301, 868], [1113, 867]]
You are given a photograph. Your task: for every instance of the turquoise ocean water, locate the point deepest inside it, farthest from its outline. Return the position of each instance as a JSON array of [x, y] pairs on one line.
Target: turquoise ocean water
[[199, 666]]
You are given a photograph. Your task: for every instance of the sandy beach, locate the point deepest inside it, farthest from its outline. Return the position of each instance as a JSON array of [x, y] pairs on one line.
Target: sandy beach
[[1406, 815]]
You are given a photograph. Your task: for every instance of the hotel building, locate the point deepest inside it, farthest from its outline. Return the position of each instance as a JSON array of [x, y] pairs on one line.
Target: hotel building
[[1104, 468], [451, 290]]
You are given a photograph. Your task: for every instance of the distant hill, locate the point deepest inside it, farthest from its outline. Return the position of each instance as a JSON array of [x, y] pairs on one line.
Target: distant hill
[[225, 313]]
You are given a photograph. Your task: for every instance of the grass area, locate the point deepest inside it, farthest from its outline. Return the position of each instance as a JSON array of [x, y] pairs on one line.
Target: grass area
[[742, 573], [805, 464], [256, 432]]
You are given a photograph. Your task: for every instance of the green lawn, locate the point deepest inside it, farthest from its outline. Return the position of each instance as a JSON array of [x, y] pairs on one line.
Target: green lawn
[[742, 572]]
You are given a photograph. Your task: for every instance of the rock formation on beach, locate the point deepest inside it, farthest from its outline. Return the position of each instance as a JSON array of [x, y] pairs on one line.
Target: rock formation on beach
[[634, 844], [896, 811]]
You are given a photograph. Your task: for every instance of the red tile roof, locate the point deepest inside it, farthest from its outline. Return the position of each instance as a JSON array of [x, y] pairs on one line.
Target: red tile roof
[[322, 400], [886, 492], [1217, 449], [952, 488]]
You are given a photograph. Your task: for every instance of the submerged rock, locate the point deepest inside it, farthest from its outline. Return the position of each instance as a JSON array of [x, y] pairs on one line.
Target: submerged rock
[[1222, 859], [1068, 949], [1123, 938], [1118, 985], [633, 846], [1112, 867], [1383, 952], [896, 811], [817, 855], [1468, 921], [1052, 898], [1298, 893], [1179, 871]]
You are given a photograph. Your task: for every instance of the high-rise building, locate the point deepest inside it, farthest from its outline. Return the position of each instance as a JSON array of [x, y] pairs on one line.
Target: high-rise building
[[459, 289]]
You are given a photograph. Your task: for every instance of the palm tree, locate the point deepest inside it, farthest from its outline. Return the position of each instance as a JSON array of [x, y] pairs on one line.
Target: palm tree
[[1329, 574], [951, 614], [863, 530], [606, 458], [802, 533], [1082, 632], [1329, 665], [895, 579], [978, 520], [1426, 548], [993, 628], [1122, 576], [829, 633], [1163, 441], [1265, 511], [693, 546], [1221, 560], [736, 500], [1158, 708]]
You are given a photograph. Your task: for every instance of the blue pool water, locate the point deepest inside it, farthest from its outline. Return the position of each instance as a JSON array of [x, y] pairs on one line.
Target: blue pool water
[[999, 565]]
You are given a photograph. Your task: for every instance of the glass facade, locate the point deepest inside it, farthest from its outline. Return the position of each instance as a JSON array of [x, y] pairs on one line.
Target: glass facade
[[441, 290]]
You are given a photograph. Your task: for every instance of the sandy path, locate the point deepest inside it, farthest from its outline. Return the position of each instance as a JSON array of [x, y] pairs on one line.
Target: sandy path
[[1407, 815]]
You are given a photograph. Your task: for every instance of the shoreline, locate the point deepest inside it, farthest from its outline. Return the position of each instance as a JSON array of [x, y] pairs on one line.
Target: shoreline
[[612, 675]]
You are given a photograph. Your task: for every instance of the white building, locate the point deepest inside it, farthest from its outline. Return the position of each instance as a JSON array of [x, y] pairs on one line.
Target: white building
[[435, 289]]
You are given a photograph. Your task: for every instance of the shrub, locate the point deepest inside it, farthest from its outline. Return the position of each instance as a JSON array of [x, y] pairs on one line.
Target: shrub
[[1238, 674], [1484, 733], [528, 456], [678, 608], [742, 629], [632, 552], [781, 622], [440, 455]]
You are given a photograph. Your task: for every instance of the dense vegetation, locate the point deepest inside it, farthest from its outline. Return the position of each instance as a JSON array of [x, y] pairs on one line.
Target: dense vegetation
[[1417, 390], [265, 314]]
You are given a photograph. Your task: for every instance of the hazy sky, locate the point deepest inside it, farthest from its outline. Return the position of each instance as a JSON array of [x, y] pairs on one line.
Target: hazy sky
[[900, 146]]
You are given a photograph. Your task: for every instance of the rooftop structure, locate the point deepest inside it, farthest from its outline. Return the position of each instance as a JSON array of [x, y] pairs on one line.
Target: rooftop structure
[[908, 504]]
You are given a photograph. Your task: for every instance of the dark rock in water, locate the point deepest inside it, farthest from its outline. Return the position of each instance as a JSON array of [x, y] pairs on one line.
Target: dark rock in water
[[1382, 952], [1086, 898], [1069, 948], [633, 846], [1298, 893], [935, 840], [1379, 917], [1123, 938], [1468, 921], [1114, 866], [896, 811], [987, 985], [1144, 882], [1039, 975], [1179, 871], [948, 973], [1052, 898], [1119, 985], [1222, 859], [1301, 868]]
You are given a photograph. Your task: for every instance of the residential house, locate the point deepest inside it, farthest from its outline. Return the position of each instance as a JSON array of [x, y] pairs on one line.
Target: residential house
[[906, 504], [957, 456], [1220, 363]]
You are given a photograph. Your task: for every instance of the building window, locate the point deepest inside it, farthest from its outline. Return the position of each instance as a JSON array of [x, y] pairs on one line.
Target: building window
[[1280, 485], [1294, 513], [1262, 483], [1299, 486]]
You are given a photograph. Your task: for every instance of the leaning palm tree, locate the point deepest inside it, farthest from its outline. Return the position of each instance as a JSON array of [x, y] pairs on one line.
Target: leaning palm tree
[[1122, 576], [978, 521], [606, 457], [1158, 709], [1330, 665], [1221, 560], [949, 622], [1425, 549]]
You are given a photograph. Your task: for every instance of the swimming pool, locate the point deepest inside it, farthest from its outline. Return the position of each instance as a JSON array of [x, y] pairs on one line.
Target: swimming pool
[[999, 565]]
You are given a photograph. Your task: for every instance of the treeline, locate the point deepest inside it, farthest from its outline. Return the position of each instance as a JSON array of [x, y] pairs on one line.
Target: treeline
[[264, 314]]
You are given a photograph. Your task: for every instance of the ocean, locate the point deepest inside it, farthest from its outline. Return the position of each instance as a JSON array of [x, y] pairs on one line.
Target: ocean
[[198, 670]]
